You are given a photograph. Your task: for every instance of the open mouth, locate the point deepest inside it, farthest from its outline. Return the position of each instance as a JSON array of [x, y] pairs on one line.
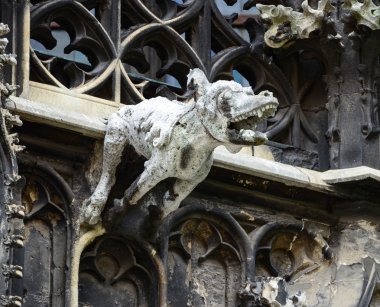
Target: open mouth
[[250, 120]]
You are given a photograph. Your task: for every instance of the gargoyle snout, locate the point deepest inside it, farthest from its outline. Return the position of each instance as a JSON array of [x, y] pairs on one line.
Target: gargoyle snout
[[249, 105]]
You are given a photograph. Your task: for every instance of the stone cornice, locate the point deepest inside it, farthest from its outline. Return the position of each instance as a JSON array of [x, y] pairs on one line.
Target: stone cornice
[[92, 123]]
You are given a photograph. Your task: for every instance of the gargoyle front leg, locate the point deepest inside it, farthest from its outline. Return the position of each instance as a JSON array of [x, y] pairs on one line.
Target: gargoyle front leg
[[114, 144], [182, 188]]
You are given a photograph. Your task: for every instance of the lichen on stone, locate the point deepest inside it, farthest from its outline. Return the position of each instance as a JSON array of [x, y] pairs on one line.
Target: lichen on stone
[[287, 25]]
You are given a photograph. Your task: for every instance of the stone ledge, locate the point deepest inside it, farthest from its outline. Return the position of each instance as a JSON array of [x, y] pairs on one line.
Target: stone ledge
[[61, 117], [351, 174], [271, 170], [92, 124]]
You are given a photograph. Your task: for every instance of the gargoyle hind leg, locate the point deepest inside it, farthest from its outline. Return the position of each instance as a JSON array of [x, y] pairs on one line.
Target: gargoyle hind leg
[[182, 188], [114, 144]]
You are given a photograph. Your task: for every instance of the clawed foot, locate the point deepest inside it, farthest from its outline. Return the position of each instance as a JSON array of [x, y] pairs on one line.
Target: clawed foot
[[255, 137], [91, 210], [260, 138]]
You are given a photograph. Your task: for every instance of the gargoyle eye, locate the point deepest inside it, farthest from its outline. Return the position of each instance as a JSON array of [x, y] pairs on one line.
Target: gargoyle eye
[[227, 95]]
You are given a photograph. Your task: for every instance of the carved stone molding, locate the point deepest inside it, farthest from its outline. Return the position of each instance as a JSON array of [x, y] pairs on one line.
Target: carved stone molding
[[12, 214]]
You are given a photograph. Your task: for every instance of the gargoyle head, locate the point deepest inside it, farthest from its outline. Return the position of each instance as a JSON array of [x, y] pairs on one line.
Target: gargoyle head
[[229, 111]]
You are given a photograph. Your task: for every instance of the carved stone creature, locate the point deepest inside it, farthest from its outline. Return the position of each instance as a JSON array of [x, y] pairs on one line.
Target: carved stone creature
[[178, 140], [286, 25]]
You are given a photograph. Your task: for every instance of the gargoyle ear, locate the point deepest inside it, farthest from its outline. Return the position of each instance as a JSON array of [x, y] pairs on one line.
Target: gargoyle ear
[[197, 82]]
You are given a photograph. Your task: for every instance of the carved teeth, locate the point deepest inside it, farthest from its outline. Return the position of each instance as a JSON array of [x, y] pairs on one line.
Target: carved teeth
[[259, 112]]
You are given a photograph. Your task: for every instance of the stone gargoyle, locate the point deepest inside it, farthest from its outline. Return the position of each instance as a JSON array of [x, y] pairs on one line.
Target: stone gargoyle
[[178, 139]]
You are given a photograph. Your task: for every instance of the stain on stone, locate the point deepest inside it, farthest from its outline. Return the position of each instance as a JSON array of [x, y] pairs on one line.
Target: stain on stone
[[226, 108], [185, 155]]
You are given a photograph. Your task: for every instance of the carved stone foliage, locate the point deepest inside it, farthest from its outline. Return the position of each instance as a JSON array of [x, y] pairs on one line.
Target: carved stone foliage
[[9, 141], [47, 237], [287, 25], [11, 212]]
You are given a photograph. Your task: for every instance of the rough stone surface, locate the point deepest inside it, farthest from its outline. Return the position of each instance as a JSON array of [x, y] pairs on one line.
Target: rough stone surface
[[343, 279], [275, 294], [295, 157]]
